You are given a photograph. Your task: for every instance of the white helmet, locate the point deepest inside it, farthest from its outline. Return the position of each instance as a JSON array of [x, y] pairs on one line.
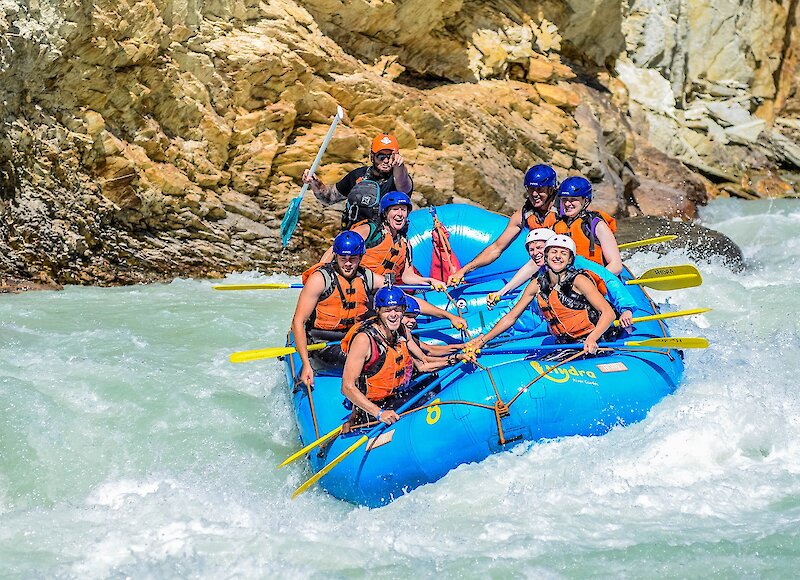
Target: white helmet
[[559, 241], [539, 235]]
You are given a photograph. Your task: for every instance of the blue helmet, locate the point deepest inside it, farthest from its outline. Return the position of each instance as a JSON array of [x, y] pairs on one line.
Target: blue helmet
[[349, 243], [387, 297], [394, 198], [541, 176], [412, 306], [575, 186]]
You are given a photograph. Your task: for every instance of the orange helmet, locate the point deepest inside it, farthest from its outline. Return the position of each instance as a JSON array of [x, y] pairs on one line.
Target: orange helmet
[[385, 141]]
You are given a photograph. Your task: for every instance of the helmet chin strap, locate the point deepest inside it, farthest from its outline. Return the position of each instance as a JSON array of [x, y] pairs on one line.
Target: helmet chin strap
[[560, 208]]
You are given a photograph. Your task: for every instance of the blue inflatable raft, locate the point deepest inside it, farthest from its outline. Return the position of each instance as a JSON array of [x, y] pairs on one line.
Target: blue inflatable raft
[[519, 395]]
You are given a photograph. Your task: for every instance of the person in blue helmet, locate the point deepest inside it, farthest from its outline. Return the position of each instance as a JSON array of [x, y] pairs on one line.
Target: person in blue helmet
[[379, 365], [387, 248], [537, 212], [413, 310], [336, 295], [592, 231]]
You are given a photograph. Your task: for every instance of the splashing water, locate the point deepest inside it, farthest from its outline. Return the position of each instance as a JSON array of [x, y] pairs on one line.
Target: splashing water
[[130, 446]]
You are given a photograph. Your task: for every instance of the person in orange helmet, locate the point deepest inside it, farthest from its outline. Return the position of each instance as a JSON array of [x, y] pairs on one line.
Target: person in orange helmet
[[364, 186]]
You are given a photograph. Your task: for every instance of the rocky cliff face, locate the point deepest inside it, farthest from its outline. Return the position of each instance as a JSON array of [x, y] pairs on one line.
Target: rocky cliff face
[[151, 138], [714, 85]]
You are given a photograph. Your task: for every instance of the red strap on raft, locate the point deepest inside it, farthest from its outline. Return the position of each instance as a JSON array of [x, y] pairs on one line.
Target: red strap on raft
[[443, 261]]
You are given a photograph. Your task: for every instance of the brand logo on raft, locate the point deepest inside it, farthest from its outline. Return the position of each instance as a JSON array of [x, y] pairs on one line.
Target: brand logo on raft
[[561, 374]]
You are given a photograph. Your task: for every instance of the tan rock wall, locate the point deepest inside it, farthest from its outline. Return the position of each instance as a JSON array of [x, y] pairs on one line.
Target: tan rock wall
[[149, 138], [708, 83]]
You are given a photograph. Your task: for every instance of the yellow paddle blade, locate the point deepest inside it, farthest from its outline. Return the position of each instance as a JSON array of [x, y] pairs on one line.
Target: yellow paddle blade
[[666, 315], [322, 472], [270, 352], [261, 353], [667, 282], [671, 342], [309, 447], [669, 278], [647, 242], [251, 286], [670, 271]]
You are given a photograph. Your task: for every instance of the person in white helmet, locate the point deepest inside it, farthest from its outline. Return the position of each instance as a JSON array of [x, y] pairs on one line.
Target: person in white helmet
[[616, 292], [568, 299], [534, 243]]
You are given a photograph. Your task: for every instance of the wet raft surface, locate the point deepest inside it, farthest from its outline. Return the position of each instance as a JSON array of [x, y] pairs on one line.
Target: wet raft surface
[[475, 411]]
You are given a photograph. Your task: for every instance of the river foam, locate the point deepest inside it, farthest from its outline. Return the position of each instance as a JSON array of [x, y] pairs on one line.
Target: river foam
[[132, 447]]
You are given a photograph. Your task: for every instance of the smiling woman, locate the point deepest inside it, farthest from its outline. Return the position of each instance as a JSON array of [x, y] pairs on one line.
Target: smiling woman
[[387, 249], [568, 299], [593, 231], [537, 212]]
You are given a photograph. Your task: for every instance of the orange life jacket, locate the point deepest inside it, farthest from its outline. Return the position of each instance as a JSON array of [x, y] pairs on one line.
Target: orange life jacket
[[533, 221], [582, 232], [389, 365], [384, 253], [598, 281], [568, 314], [343, 302]]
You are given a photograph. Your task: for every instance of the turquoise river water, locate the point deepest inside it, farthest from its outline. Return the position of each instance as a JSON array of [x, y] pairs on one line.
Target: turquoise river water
[[131, 447]]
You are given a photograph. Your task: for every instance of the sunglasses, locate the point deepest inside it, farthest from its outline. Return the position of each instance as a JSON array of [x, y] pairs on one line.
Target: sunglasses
[[538, 189], [383, 156]]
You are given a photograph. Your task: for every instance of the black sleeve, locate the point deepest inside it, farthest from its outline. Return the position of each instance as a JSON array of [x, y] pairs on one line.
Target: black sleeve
[[346, 183]]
